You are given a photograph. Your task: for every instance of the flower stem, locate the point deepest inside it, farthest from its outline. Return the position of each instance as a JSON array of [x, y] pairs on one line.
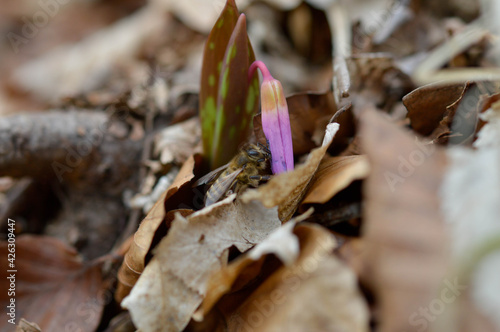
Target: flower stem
[[266, 75]]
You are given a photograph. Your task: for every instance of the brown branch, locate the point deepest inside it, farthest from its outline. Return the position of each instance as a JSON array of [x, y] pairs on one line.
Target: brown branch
[[90, 156], [66, 145]]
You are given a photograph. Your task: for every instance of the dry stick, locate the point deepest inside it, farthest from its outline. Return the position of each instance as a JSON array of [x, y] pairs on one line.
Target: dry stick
[[342, 213], [64, 145], [428, 71], [340, 24], [341, 111], [31, 143]]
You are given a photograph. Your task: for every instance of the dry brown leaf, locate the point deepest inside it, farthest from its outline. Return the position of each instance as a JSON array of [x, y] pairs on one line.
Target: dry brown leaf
[[405, 251], [335, 174], [286, 190], [282, 243], [174, 282], [457, 128], [53, 287], [316, 281], [427, 105], [134, 260], [346, 133]]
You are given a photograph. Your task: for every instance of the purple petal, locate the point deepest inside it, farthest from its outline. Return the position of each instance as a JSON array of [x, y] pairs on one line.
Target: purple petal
[[275, 120], [284, 123], [271, 127]]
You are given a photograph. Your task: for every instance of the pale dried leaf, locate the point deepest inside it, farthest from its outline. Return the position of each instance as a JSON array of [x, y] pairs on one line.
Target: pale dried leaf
[[147, 95], [177, 142], [316, 293], [25, 326], [74, 69], [174, 282], [147, 201], [282, 243]]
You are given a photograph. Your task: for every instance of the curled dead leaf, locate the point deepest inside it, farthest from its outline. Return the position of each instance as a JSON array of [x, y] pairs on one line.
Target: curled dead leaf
[[312, 278], [460, 119], [335, 174], [427, 105], [174, 282], [282, 243], [134, 260]]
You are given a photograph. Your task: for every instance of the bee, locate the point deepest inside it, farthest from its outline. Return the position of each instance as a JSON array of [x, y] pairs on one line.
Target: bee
[[248, 168]]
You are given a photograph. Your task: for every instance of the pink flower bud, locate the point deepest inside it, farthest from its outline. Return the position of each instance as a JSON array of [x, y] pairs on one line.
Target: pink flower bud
[[275, 120]]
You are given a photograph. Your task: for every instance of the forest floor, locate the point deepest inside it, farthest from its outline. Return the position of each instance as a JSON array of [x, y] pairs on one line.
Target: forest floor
[[389, 221]]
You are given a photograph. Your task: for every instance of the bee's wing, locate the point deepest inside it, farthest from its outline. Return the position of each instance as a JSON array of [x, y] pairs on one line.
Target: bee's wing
[[210, 176], [223, 184]]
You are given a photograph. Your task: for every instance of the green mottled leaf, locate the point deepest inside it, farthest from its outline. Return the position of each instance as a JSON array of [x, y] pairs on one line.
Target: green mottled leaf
[[227, 101], [215, 49], [231, 101]]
